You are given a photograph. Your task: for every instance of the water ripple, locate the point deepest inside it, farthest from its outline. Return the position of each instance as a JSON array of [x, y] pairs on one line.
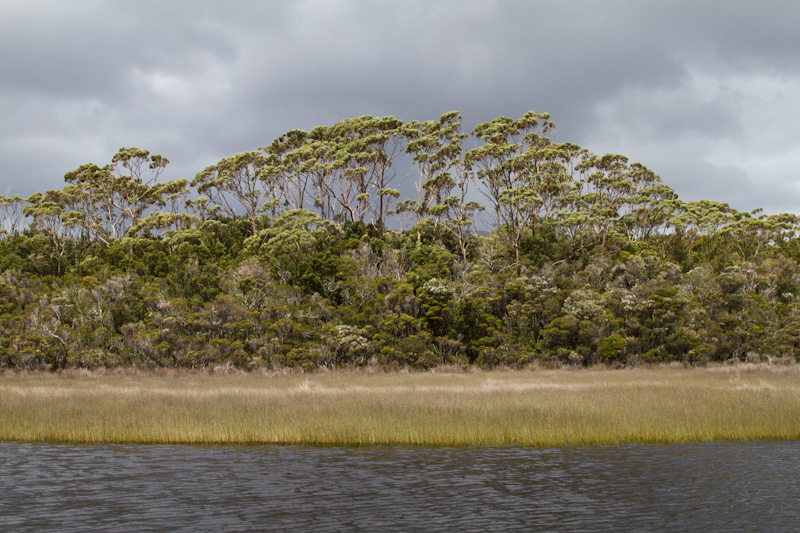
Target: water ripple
[[722, 486]]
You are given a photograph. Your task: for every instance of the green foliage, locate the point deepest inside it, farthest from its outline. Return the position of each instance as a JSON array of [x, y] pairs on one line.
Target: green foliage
[[288, 260], [611, 348]]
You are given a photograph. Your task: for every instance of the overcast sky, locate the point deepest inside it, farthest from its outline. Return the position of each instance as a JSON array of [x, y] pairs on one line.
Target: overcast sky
[[705, 93]]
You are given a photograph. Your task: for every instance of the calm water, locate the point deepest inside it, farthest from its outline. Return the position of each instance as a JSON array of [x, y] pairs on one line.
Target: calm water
[[727, 486]]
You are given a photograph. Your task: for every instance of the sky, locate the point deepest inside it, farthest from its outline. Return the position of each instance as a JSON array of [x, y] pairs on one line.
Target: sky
[[705, 93]]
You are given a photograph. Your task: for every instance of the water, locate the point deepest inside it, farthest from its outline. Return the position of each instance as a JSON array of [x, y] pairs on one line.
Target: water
[[720, 486]]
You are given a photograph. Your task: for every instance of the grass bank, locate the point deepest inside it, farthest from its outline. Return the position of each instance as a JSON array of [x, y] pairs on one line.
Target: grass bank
[[542, 408]]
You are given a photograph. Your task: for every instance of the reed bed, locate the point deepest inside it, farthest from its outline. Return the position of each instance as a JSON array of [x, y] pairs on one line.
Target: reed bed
[[545, 408]]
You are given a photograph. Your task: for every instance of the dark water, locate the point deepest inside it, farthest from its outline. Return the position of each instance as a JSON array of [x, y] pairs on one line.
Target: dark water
[[715, 487]]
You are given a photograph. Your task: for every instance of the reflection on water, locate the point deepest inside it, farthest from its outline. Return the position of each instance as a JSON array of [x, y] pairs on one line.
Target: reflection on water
[[724, 486]]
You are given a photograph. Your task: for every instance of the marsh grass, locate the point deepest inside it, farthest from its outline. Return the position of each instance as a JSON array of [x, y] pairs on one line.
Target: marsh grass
[[541, 408]]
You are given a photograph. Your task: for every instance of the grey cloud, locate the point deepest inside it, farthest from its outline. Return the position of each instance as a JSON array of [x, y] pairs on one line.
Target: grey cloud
[[702, 180], [200, 80]]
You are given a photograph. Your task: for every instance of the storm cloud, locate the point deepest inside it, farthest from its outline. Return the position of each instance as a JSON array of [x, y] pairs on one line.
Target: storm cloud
[[707, 94]]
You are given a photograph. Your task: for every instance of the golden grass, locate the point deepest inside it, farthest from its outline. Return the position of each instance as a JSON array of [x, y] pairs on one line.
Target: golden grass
[[543, 408]]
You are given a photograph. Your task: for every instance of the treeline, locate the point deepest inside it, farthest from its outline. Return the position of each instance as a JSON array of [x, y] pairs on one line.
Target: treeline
[[304, 253]]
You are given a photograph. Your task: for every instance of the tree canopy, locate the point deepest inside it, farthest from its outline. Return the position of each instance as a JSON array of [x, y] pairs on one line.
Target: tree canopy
[[306, 253]]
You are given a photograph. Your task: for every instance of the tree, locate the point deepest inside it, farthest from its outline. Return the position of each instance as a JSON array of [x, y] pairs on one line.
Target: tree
[[236, 182], [651, 204], [700, 220], [172, 216], [49, 228], [105, 202], [752, 232], [380, 141], [608, 187], [12, 213], [119, 268], [285, 166], [291, 238], [436, 147], [347, 164], [524, 175], [363, 149]]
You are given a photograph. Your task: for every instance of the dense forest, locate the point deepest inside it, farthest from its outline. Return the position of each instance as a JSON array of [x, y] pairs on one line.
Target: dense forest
[[511, 249]]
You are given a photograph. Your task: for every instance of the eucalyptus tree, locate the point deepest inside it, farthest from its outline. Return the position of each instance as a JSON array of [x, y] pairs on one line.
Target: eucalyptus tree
[[12, 215], [554, 178], [315, 160], [165, 223], [105, 202], [363, 150], [460, 214], [48, 225], [202, 207], [522, 173], [555, 205], [236, 183], [350, 180], [87, 203], [294, 234], [436, 150], [651, 210], [701, 219], [137, 190], [753, 232], [381, 140], [607, 188], [348, 165], [171, 200], [650, 205], [172, 197], [286, 167]]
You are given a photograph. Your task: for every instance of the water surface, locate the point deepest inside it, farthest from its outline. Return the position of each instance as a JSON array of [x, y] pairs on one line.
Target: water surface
[[720, 486]]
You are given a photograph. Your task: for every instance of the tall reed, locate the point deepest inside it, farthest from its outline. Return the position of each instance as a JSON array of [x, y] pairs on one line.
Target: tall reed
[[541, 408]]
